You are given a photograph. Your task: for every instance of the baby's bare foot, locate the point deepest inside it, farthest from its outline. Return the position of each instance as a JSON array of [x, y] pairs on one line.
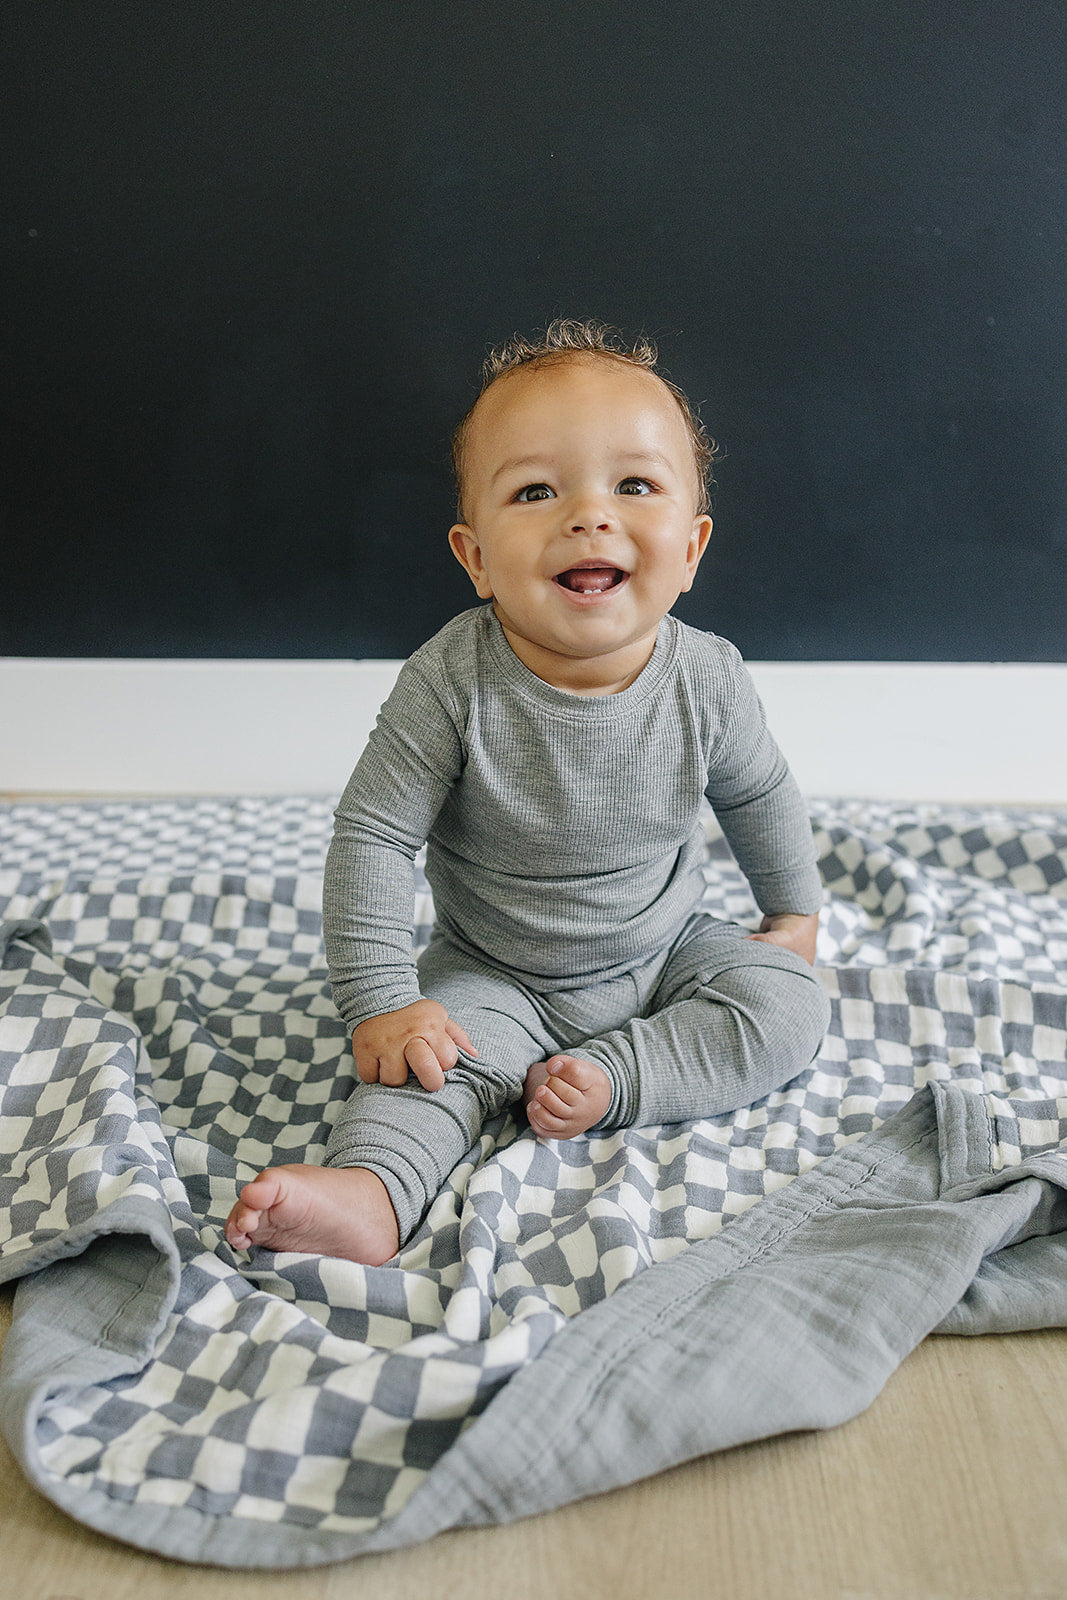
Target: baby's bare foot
[[325, 1211], [565, 1095]]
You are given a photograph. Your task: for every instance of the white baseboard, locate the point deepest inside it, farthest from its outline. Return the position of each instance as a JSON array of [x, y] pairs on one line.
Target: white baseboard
[[922, 731], [868, 730]]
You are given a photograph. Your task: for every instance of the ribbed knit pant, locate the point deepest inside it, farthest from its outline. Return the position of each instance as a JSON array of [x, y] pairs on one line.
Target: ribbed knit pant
[[714, 1023]]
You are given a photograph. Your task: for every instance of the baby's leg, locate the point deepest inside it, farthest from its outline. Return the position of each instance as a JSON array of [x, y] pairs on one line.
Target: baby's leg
[[729, 1022], [409, 1137]]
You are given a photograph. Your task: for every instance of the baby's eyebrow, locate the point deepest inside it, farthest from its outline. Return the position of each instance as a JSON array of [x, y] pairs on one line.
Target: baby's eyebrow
[[628, 458], [516, 464], [654, 458]]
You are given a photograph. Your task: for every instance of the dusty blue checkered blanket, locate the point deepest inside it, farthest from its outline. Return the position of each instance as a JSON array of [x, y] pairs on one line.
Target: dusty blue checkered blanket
[[571, 1316]]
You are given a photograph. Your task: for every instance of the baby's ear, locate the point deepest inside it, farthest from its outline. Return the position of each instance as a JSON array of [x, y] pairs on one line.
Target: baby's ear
[[468, 552], [698, 543]]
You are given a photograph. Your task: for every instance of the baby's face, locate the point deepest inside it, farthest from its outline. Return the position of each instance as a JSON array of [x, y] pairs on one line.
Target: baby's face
[[581, 493]]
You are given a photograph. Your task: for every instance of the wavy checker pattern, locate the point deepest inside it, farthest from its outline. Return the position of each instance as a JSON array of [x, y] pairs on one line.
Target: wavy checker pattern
[[180, 1035]]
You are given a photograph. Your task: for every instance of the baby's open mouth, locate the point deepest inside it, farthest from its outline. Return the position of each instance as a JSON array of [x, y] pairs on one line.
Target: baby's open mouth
[[590, 580]]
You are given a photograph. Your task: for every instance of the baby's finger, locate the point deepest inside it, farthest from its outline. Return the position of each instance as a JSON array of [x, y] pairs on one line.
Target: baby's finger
[[420, 1057], [366, 1065], [461, 1037], [444, 1048], [392, 1071]]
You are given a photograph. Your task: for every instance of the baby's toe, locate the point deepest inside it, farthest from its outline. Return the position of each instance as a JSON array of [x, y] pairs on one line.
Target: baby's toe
[[577, 1073], [238, 1233], [559, 1095], [547, 1114]]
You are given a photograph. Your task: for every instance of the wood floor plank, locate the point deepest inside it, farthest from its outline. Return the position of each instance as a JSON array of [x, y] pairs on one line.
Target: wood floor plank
[[949, 1487]]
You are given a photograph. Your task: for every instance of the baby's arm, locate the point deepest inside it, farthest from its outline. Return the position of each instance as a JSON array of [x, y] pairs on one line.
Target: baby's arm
[[421, 1037], [765, 820], [401, 780]]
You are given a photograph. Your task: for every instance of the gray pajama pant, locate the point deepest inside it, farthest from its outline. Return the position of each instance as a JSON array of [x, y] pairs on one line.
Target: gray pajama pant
[[714, 1023]]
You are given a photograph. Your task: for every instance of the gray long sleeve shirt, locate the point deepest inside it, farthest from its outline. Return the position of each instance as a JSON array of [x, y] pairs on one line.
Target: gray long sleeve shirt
[[564, 840]]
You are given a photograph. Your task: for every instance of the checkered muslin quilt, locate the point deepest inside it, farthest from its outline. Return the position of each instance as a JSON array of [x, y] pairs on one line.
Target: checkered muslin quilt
[[166, 1030]]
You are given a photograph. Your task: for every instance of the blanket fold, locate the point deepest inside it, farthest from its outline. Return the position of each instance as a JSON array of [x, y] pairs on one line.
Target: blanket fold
[[571, 1316], [82, 1152], [793, 1318]]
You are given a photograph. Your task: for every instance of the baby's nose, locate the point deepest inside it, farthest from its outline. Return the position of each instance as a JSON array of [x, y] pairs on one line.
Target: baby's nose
[[590, 511], [593, 517]]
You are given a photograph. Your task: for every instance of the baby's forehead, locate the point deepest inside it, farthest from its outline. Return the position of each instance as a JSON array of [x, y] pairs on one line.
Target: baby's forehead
[[627, 379], [625, 397]]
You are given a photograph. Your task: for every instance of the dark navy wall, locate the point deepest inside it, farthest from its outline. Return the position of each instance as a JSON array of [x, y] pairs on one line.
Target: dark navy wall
[[253, 254]]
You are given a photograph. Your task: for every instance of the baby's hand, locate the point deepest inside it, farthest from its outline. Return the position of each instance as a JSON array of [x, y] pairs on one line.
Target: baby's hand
[[792, 931], [421, 1037]]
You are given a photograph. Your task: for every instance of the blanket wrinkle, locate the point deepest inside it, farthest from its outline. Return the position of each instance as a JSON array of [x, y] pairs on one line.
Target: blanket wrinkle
[[571, 1316], [612, 1431], [27, 930]]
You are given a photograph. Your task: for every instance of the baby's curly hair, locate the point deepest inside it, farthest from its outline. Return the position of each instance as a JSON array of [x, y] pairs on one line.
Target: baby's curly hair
[[567, 339]]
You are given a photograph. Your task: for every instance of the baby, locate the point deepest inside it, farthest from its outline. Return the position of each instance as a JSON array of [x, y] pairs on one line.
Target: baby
[[552, 748]]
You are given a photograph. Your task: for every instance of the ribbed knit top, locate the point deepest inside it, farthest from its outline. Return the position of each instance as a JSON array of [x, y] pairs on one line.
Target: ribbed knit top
[[564, 837]]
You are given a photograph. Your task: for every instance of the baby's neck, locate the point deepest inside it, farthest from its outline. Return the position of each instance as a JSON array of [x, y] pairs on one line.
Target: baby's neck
[[584, 675], [595, 684]]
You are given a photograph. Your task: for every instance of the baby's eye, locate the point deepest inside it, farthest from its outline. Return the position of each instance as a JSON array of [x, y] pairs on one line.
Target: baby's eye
[[634, 486], [535, 491]]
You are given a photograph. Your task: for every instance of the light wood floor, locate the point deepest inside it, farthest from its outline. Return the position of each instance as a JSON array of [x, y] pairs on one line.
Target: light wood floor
[[951, 1487]]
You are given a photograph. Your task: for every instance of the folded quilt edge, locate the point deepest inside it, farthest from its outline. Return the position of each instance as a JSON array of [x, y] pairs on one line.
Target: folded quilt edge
[[550, 1437]]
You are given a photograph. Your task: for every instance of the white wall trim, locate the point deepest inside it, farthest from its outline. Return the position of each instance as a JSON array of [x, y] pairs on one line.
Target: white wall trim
[[868, 730]]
